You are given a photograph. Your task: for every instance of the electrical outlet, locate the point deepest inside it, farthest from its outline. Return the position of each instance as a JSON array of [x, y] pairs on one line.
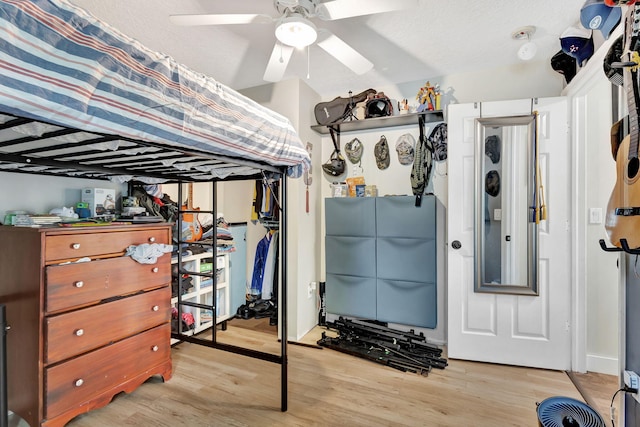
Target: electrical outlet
[[632, 380], [311, 289], [595, 215]]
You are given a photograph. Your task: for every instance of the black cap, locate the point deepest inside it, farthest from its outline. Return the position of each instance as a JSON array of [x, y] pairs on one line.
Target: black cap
[[564, 64], [614, 54], [492, 183]]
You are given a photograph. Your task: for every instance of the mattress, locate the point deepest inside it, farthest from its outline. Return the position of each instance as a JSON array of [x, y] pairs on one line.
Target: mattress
[[62, 66]]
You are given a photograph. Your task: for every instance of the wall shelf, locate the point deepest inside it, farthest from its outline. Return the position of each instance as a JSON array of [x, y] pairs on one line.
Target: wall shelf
[[381, 122]]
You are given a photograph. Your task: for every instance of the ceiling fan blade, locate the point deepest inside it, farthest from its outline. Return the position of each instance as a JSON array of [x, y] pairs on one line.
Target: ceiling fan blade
[[340, 9], [280, 56], [222, 19], [346, 54]]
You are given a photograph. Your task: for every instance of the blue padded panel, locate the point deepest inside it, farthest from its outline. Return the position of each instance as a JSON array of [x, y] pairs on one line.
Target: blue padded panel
[[355, 256], [413, 260], [407, 303], [398, 216], [351, 296], [350, 216]]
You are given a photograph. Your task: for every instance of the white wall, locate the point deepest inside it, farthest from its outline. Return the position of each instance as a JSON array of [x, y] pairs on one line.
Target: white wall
[[40, 194], [601, 268], [595, 273], [293, 99], [519, 81]]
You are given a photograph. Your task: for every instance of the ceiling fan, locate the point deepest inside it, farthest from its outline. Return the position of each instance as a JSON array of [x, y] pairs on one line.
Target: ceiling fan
[[294, 28]]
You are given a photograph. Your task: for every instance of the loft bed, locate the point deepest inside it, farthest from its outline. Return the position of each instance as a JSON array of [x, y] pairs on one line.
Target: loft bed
[[80, 99]]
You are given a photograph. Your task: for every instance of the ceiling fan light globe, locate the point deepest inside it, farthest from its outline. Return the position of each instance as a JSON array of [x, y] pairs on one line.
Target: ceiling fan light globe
[[296, 31]]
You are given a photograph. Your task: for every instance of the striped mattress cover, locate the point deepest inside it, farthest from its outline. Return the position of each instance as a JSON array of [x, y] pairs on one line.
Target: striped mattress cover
[[61, 65]]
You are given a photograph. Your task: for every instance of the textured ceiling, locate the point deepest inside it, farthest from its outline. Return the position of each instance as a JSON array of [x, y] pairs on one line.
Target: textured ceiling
[[438, 38]]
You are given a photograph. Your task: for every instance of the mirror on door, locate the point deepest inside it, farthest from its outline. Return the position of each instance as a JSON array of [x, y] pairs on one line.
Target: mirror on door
[[506, 205]]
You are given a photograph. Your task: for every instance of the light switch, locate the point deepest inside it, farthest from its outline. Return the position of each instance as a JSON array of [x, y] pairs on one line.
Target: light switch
[[595, 215], [497, 214]]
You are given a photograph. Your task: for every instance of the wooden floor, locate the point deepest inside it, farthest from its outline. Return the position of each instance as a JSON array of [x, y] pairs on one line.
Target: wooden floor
[[327, 388]]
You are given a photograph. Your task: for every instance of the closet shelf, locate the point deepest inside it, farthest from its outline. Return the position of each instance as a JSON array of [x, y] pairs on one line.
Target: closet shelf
[[381, 122]]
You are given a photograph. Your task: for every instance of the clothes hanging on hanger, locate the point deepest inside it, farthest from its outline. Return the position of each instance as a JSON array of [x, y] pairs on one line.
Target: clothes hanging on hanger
[[259, 265], [270, 267], [265, 202]]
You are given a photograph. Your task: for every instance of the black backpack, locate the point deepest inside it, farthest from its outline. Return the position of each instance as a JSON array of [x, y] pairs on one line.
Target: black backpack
[[336, 164], [422, 164]]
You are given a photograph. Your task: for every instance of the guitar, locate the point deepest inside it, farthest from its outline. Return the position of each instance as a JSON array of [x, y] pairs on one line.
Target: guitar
[[191, 227], [623, 210]]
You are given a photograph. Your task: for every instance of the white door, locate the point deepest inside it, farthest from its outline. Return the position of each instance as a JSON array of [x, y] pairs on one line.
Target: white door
[[504, 328]]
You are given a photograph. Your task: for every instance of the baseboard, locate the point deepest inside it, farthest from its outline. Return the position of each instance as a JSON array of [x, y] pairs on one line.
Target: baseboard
[[602, 365]]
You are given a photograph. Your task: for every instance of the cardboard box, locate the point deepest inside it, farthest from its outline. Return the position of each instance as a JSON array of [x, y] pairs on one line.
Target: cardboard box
[[102, 201]]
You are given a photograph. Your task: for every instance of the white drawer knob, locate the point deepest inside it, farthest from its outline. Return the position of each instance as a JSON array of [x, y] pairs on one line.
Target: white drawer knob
[[155, 269], [79, 382], [155, 308], [79, 284], [79, 332], [154, 348], [152, 239], [76, 246]]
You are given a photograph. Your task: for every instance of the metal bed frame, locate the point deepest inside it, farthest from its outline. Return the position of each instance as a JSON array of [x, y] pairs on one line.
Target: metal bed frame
[[41, 154]]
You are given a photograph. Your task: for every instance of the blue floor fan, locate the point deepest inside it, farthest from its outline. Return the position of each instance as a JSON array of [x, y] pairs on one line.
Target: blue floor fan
[[567, 412]]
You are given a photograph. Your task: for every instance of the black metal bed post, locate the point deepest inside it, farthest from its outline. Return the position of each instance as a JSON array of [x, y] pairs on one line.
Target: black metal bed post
[[4, 410], [283, 292], [214, 253], [178, 240]]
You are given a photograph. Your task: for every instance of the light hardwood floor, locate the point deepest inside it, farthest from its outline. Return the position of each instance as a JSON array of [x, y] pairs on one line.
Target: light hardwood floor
[[327, 388]]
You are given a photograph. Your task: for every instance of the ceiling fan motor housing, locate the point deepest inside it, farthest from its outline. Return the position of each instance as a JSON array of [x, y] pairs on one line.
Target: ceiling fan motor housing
[[307, 8]]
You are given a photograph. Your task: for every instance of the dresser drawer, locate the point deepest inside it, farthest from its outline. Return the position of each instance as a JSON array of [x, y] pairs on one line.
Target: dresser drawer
[[83, 330], [74, 383], [68, 246], [83, 283]]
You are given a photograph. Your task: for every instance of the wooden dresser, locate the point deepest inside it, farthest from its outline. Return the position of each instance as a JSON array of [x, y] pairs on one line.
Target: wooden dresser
[[81, 332]]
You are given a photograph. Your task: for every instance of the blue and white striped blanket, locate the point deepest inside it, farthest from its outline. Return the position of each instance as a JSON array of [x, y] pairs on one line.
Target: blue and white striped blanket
[[60, 64]]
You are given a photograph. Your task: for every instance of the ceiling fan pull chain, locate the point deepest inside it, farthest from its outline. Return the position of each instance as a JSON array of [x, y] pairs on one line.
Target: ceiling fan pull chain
[[308, 62]]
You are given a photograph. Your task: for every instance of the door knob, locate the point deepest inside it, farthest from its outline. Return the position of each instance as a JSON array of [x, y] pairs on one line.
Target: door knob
[[456, 244]]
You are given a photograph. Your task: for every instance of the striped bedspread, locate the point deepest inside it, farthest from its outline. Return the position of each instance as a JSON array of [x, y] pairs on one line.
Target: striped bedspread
[[61, 65]]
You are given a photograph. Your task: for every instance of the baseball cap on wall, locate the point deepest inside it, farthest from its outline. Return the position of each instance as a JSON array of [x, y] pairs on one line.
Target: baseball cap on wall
[[381, 151], [577, 42], [565, 65], [595, 15], [405, 148]]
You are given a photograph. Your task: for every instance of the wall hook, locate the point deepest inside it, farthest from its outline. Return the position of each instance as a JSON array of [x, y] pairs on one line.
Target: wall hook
[[625, 247], [604, 247]]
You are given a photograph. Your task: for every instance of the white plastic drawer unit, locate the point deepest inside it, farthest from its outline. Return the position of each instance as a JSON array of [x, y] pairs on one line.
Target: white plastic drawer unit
[[220, 261]]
